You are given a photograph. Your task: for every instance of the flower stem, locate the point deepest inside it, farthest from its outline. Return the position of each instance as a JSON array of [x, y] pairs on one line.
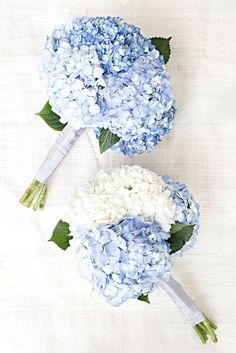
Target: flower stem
[[212, 324], [41, 198], [34, 195], [201, 334], [28, 191]]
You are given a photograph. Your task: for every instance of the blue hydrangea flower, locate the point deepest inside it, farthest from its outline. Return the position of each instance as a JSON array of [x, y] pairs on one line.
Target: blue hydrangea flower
[[150, 138], [103, 73], [188, 210], [123, 261]]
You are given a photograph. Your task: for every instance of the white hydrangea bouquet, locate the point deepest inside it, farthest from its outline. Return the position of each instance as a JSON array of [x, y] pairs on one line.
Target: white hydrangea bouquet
[[102, 74], [125, 227]]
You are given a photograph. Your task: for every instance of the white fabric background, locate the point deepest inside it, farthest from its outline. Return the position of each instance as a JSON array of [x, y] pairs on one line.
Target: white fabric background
[[44, 306]]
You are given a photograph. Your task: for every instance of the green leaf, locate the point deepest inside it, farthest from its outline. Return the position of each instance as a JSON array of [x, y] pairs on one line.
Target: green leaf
[[107, 139], [180, 234], [51, 118], [176, 227], [163, 46], [144, 298], [60, 235]]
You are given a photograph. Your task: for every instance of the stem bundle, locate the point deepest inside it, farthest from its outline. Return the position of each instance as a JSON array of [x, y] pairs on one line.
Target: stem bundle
[[34, 195]]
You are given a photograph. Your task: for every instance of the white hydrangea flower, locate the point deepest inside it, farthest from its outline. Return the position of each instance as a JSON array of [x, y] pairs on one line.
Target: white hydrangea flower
[[130, 190]]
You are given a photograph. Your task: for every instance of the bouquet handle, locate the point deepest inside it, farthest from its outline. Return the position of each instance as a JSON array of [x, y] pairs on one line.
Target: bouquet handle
[[57, 152], [36, 193], [190, 310]]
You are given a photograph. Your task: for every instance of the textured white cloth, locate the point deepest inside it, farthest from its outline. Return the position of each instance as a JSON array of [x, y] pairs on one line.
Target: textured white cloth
[[44, 306]]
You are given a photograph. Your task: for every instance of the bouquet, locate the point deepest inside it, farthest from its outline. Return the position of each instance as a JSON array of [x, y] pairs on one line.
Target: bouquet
[[125, 227], [102, 74]]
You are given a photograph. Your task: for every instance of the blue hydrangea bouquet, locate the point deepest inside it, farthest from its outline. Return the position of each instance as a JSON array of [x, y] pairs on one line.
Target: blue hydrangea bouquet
[[102, 74], [124, 229]]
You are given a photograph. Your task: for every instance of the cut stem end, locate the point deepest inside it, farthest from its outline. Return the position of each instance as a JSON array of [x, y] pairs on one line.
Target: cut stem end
[[204, 329], [34, 195]]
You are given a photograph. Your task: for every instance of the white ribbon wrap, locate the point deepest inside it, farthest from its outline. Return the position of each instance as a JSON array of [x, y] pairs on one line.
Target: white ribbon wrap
[[185, 304], [57, 152]]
